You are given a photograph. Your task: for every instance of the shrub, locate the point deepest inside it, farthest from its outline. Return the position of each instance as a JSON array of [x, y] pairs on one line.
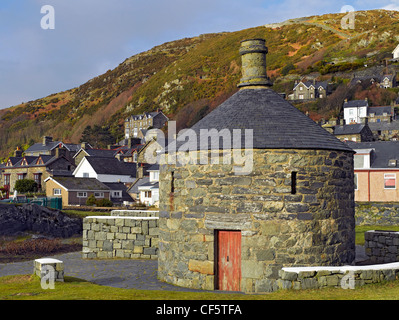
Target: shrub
[[91, 201], [25, 185], [104, 203]]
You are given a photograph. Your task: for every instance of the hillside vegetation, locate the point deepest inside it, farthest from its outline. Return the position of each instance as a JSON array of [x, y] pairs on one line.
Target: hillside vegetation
[[188, 78]]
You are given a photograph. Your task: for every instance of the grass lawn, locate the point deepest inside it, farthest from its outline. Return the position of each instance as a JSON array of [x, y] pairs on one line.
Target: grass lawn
[[27, 287], [360, 230]]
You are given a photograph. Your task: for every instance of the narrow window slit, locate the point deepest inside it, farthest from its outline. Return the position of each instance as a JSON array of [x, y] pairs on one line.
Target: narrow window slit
[[293, 182]]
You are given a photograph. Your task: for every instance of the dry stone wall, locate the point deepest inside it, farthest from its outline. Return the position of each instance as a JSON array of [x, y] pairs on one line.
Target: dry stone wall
[[382, 246], [120, 237]]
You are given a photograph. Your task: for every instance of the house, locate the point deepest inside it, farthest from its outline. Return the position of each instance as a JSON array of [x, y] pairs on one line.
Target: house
[[103, 153], [354, 110], [385, 130], [359, 132], [48, 147], [379, 114], [376, 167], [147, 120], [395, 53], [106, 169], [76, 191], [36, 168], [118, 193], [146, 189], [307, 90], [388, 81]]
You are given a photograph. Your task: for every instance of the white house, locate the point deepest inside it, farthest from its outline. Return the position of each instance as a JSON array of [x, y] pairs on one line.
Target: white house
[[149, 192], [106, 170], [355, 110], [395, 52]]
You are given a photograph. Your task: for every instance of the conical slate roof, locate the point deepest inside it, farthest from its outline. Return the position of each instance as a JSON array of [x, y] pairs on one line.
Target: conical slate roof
[[276, 124]]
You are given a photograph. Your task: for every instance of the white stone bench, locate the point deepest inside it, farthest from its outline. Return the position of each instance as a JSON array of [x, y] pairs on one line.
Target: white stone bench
[[45, 265]]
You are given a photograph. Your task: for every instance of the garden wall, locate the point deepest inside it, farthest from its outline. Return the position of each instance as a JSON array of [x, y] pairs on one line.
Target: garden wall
[[382, 246], [346, 277], [120, 237], [377, 213]]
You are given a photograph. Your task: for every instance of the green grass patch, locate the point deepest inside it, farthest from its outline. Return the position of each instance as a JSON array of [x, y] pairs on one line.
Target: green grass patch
[[27, 287], [360, 230]]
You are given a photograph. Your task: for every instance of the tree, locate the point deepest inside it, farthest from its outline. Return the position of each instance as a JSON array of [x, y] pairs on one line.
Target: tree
[[25, 185]]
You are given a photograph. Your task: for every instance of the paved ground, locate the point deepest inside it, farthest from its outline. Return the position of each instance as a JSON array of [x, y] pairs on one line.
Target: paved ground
[[133, 274]]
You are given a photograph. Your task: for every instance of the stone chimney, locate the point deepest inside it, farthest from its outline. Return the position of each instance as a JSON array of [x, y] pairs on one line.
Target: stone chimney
[[253, 56], [84, 145], [18, 152], [47, 140], [60, 151], [364, 120]]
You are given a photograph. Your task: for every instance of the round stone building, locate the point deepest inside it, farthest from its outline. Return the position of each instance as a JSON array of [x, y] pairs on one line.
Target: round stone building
[[279, 195]]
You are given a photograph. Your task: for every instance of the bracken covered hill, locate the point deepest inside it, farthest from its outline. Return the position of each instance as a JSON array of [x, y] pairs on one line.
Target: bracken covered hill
[[188, 78]]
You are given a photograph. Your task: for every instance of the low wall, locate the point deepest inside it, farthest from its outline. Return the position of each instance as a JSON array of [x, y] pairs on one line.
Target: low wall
[[135, 213], [382, 246], [346, 277], [120, 237], [377, 213]]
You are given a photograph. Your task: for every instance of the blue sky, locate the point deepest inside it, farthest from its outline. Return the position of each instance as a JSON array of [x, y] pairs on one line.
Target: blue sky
[[92, 36]]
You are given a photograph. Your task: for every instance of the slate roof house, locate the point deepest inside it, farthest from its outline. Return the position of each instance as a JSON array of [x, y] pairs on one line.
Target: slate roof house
[[76, 191], [49, 147], [36, 168], [308, 90], [106, 169], [354, 110], [233, 226], [144, 121], [359, 132], [376, 170]]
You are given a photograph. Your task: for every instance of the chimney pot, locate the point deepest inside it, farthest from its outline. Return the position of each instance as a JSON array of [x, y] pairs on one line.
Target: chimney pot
[[253, 56]]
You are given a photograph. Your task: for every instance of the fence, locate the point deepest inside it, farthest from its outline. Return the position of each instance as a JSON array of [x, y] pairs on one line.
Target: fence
[[53, 202]]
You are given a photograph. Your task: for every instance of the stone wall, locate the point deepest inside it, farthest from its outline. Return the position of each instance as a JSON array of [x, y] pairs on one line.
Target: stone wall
[[312, 226], [382, 246], [349, 277], [377, 213], [120, 237], [135, 213], [32, 217]]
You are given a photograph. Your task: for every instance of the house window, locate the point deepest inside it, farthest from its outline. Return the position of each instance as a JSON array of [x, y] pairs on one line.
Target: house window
[[21, 176], [389, 181], [6, 179], [99, 194], [147, 194], [321, 96], [116, 194], [56, 192], [355, 181], [82, 194], [86, 175], [300, 88], [392, 163], [351, 112], [38, 179]]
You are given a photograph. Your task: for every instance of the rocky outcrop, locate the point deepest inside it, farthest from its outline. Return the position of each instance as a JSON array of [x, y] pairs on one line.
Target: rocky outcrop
[[32, 217]]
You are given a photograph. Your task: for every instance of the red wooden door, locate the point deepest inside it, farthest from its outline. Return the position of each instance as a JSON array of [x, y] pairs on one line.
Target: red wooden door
[[229, 260]]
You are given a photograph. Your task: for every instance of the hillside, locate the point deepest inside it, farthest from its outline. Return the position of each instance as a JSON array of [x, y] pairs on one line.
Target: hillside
[[187, 78]]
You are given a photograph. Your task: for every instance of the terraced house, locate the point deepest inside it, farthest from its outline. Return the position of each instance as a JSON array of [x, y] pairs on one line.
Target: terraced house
[[135, 123], [36, 168], [308, 90]]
